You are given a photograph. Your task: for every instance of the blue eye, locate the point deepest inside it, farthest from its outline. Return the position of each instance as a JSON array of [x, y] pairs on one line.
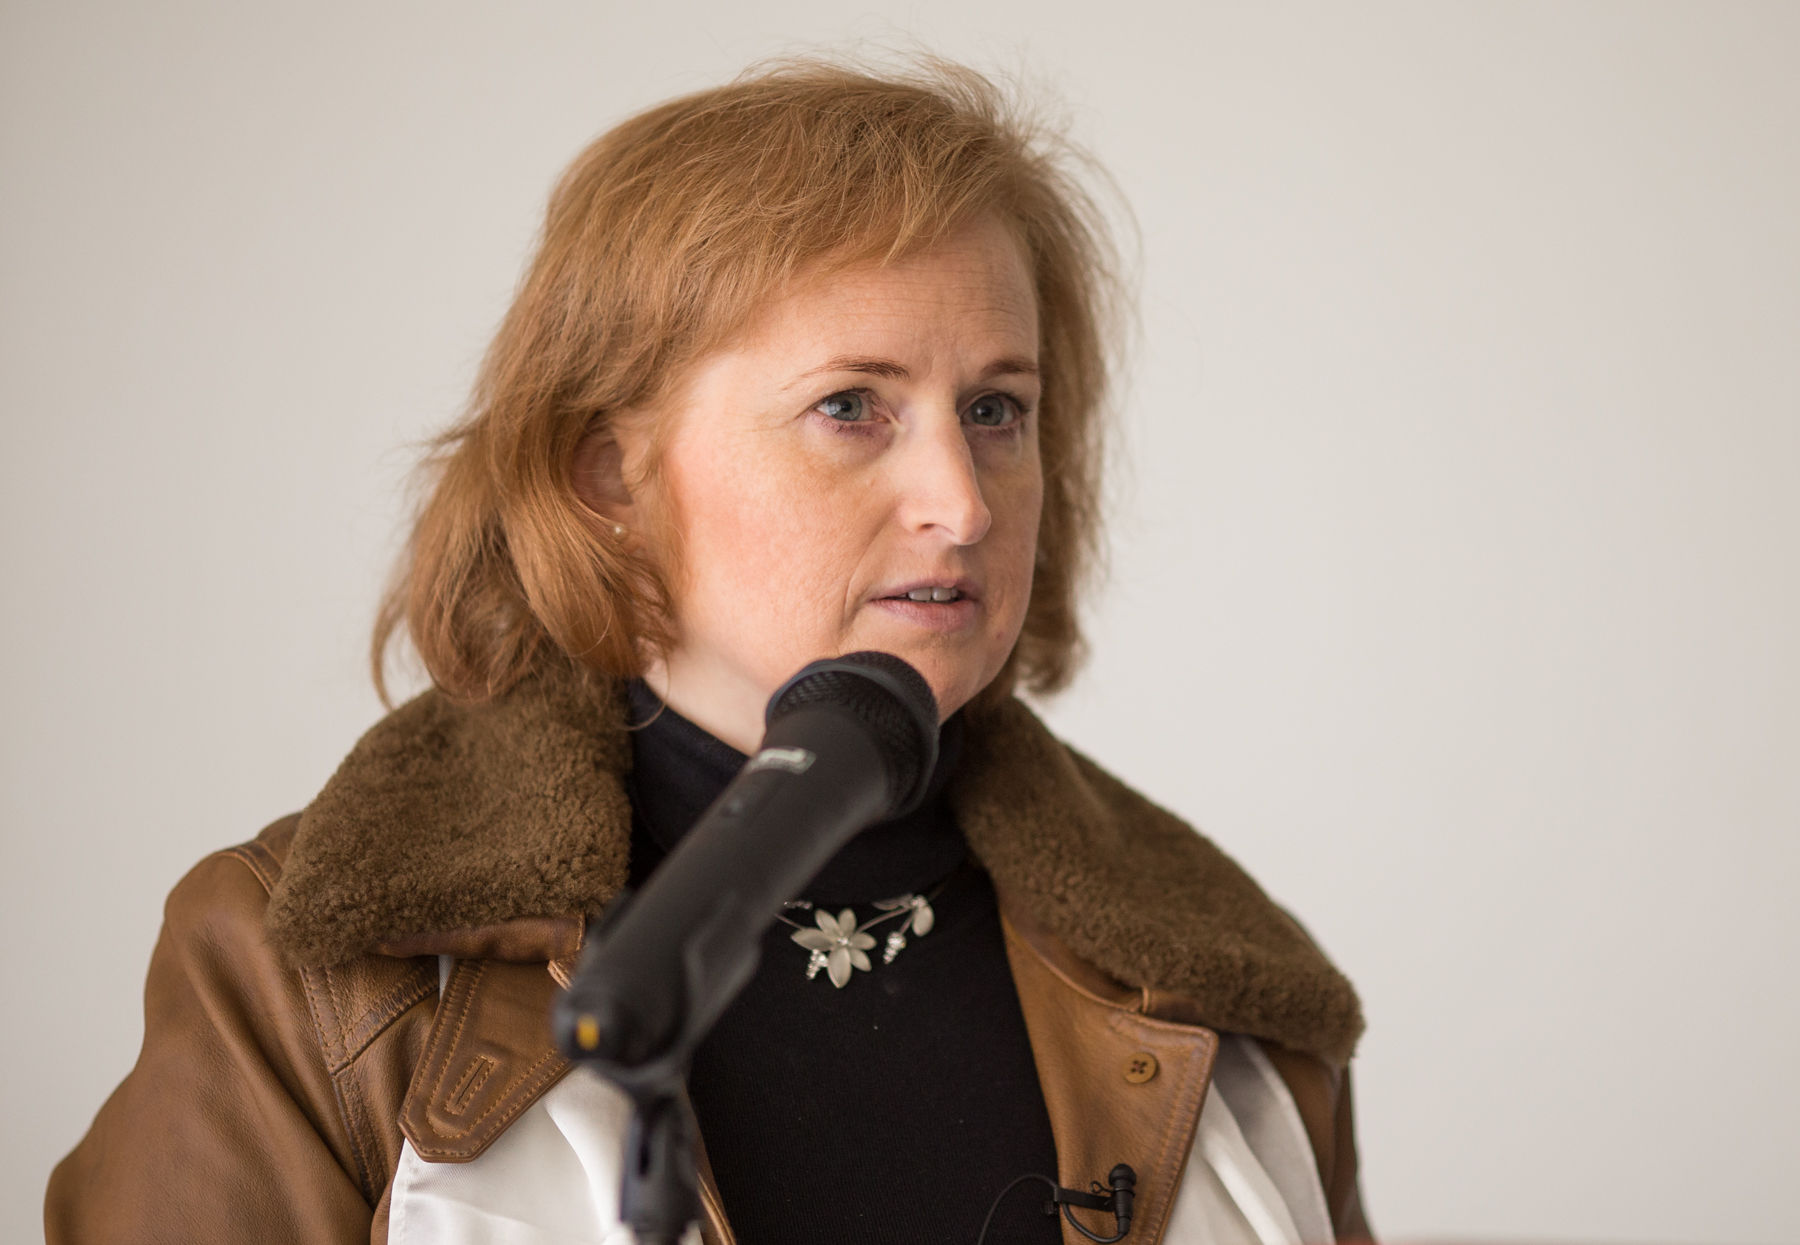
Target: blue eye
[[992, 411], [848, 407]]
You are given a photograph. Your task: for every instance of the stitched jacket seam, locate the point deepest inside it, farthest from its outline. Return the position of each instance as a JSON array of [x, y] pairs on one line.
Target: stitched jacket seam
[[379, 1018], [443, 1073], [1176, 1124], [344, 1088], [267, 870], [511, 1098], [248, 855]]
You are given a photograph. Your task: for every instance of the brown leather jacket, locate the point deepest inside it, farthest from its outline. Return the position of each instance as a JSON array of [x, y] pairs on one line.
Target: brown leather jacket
[[295, 1032]]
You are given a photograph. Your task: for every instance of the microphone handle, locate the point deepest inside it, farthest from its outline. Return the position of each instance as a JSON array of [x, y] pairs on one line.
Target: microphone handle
[[686, 944]]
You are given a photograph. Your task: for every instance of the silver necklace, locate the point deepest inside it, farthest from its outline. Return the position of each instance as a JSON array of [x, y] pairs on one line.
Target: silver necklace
[[839, 944]]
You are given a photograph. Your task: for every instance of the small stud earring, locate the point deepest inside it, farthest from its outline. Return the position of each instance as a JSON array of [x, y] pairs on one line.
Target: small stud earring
[[618, 529]]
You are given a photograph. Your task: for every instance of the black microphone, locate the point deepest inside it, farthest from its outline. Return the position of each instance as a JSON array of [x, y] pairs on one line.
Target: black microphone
[[1124, 1195], [850, 741]]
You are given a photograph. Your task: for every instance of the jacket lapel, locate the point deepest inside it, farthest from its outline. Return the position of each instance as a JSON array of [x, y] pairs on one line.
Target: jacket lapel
[[487, 1059], [1121, 1086]]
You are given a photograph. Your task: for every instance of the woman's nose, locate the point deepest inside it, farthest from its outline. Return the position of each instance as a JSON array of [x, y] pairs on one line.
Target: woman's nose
[[939, 487]]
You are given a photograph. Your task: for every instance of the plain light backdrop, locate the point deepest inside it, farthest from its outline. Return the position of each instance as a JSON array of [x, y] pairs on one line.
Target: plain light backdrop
[[1456, 545]]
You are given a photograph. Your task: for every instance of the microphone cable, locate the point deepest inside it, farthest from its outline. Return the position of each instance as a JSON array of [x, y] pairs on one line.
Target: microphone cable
[[1118, 1199]]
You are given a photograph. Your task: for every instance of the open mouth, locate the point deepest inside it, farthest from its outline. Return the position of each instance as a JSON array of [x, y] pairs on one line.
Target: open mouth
[[936, 595]]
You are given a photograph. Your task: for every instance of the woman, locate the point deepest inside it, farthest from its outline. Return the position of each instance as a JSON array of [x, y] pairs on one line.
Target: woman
[[805, 365]]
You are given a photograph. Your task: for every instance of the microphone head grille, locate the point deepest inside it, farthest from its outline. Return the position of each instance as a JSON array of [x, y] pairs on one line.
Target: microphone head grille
[[890, 698]]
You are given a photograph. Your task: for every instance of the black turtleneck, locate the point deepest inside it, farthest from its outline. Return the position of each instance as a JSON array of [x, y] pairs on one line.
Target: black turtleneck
[[892, 1110]]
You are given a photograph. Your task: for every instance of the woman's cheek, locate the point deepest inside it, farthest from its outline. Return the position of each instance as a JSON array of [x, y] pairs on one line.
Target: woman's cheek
[[1018, 558], [1018, 504], [781, 541]]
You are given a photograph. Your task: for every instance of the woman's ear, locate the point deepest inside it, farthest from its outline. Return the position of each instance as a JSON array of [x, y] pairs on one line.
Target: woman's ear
[[599, 477]]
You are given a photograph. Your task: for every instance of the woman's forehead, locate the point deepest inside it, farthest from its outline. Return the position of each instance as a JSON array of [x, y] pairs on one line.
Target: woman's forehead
[[972, 289]]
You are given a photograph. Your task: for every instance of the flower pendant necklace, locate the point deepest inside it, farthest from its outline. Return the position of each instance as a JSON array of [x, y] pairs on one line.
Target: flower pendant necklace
[[840, 944]]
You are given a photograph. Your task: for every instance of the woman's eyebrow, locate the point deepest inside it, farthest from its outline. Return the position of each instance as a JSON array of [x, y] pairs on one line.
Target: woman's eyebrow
[[1012, 365], [888, 369]]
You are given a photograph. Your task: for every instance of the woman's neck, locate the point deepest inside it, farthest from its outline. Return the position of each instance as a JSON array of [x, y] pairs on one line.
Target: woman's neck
[[719, 700]]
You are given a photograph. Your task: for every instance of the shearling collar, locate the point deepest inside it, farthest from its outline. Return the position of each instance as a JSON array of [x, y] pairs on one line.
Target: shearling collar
[[447, 816]]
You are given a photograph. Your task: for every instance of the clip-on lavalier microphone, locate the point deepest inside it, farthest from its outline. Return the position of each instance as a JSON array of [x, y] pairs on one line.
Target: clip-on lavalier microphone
[[1118, 1199]]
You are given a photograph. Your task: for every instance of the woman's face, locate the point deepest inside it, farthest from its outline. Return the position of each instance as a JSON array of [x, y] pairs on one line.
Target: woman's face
[[858, 471]]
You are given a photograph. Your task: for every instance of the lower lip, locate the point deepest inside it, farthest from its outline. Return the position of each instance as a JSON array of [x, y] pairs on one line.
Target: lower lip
[[942, 616]]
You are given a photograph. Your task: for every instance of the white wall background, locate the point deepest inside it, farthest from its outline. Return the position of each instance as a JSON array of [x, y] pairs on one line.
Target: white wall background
[[1457, 558]]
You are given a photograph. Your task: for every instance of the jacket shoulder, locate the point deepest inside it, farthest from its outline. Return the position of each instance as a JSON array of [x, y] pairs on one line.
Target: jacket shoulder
[[223, 899], [248, 1113], [266, 854]]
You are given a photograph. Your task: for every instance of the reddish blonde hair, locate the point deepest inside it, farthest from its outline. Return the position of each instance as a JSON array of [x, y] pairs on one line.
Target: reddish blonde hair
[[661, 240]]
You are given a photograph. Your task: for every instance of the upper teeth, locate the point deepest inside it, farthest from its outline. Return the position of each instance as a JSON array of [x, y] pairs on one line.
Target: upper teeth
[[933, 594]]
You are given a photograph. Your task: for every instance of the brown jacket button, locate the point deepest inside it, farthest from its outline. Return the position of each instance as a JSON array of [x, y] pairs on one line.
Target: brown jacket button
[[1140, 1067]]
